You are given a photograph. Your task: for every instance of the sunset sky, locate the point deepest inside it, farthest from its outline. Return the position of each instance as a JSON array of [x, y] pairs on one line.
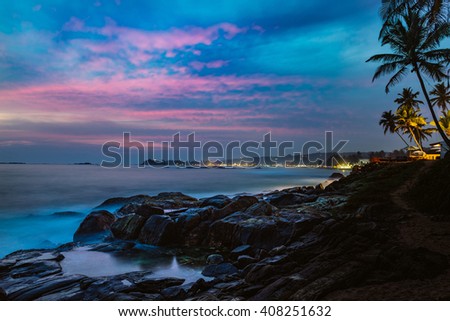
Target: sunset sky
[[75, 74]]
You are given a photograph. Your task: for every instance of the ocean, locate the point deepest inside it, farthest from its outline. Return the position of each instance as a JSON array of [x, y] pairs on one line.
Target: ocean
[[30, 195]]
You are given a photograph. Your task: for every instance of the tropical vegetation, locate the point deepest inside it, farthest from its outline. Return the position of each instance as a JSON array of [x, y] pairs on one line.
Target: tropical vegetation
[[414, 30]]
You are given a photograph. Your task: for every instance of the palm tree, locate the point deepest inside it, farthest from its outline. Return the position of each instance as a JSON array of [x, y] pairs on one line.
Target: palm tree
[[415, 44], [435, 11], [444, 121], [410, 121], [409, 98], [441, 93], [389, 123]]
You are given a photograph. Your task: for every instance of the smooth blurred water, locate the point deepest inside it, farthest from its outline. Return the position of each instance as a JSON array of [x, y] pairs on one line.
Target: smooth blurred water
[[29, 194]]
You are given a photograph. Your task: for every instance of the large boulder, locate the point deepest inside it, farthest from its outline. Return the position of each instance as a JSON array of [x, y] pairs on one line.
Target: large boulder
[[128, 227], [94, 227], [160, 230], [240, 203], [215, 270], [260, 209], [264, 232], [218, 201], [173, 200]]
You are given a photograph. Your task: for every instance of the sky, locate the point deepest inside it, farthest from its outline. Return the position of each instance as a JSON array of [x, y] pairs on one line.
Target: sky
[[76, 74]]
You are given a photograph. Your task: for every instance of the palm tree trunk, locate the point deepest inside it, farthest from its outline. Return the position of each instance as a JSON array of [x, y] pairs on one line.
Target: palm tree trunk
[[402, 138], [415, 139], [427, 98]]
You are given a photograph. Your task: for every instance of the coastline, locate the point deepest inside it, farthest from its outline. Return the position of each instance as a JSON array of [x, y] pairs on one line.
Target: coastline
[[294, 244]]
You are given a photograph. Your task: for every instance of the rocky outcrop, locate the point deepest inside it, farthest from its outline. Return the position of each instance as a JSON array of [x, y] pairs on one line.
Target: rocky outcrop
[[94, 227]]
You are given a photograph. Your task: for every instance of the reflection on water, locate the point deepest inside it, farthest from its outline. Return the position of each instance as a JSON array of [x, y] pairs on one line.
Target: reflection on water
[[95, 264]]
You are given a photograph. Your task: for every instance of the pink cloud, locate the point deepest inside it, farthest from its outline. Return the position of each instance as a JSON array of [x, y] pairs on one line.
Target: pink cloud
[[175, 38]]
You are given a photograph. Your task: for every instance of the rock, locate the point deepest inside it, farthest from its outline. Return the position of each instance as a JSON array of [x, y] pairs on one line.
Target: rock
[[118, 201], [344, 276], [241, 250], [218, 201], [289, 199], [214, 259], [3, 296], [156, 285], [259, 272], [94, 227], [128, 227], [160, 230], [244, 260], [173, 200], [320, 187], [260, 209], [127, 209], [277, 250], [337, 175], [191, 218], [44, 286], [216, 270], [148, 210], [241, 203], [258, 231], [38, 268], [174, 293]]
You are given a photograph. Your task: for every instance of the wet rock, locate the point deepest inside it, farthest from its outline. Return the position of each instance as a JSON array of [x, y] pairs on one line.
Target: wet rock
[[156, 285], [118, 201], [258, 231], [148, 210], [241, 250], [259, 272], [39, 269], [216, 270], [244, 260], [289, 199], [160, 230], [173, 200], [94, 227], [260, 209], [218, 201], [128, 227], [277, 250], [241, 203], [174, 293], [214, 259], [44, 286]]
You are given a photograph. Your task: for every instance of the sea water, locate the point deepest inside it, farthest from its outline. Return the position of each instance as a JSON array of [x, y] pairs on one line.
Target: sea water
[[30, 195]]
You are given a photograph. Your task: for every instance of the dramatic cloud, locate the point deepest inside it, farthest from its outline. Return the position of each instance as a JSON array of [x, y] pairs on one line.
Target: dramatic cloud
[[84, 72]]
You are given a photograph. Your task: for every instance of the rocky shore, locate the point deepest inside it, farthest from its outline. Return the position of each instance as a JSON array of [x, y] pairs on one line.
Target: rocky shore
[[302, 243]]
